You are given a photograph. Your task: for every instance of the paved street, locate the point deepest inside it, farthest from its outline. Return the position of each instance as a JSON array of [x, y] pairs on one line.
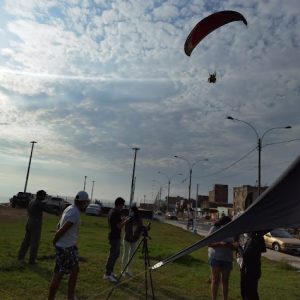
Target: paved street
[[203, 228]]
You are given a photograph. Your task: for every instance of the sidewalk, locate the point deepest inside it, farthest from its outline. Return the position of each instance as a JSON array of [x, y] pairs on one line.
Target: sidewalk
[[292, 260]]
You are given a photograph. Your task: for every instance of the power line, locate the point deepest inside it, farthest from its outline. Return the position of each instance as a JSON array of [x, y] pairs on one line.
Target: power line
[[231, 165]]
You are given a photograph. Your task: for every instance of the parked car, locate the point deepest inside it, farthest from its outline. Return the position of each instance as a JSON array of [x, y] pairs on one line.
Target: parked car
[[171, 215], [158, 213], [93, 209], [21, 199], [55, 203], [282, 240]]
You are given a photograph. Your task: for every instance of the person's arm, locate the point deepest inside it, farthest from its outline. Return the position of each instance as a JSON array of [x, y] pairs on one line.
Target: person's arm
[[49, 210], [123, 222], [61, 231]]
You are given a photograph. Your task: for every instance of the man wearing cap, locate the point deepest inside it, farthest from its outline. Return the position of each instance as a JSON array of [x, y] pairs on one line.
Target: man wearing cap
[[64, 241], [34, 227]]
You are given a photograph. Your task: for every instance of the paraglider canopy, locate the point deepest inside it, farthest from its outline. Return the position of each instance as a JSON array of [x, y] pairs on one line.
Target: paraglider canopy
[[209, 24], [212, 78]]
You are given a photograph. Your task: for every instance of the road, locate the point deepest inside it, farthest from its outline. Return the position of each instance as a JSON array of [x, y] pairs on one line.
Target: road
[[202, 229]]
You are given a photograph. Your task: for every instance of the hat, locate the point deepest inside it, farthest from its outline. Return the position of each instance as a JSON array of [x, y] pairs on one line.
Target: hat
[[82, 196]]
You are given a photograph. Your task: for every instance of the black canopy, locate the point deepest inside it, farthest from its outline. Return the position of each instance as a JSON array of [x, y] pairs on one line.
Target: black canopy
[[278, 206]]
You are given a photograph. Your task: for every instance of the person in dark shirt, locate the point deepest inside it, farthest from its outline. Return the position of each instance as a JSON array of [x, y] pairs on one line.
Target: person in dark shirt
[[34, 227], [115, 224], [251, 265]]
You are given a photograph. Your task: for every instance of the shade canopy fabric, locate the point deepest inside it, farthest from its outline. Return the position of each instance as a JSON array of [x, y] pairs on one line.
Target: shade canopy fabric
[[278, 206]]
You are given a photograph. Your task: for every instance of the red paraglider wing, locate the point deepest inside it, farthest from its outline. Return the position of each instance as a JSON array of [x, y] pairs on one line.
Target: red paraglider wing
[[209, 24]]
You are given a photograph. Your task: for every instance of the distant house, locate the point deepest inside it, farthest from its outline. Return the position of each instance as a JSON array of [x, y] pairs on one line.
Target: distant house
[[245, 195]]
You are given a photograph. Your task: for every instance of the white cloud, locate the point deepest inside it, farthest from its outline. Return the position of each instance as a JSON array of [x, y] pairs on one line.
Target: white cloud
[[84, 77]]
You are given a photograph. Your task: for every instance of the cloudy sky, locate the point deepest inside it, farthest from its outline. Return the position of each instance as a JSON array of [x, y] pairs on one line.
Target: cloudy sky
[[89, 80]]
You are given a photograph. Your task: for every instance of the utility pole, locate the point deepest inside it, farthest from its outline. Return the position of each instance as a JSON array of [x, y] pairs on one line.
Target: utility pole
[[92, 190], [84, 183], [196, 212], [133, 177], [25, 188]]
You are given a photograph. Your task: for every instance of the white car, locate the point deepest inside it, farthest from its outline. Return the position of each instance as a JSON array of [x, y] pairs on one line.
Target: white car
[[93, 209]]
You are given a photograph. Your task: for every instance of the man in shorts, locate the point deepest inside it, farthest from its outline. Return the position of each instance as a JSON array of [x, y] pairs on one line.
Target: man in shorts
[[66, 252]]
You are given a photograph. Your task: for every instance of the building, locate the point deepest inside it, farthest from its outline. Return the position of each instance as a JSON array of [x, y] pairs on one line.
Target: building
[[219, 193], [203, 201], [245, 195], [175, 202]]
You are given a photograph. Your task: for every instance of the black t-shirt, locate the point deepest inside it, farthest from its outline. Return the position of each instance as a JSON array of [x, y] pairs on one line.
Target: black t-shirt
[[114, 218]]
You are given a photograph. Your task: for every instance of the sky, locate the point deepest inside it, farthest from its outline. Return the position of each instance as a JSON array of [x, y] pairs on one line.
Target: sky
[[90, 80]]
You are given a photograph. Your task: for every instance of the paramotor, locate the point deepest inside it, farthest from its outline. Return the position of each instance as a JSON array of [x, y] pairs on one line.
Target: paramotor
[[209, 24]]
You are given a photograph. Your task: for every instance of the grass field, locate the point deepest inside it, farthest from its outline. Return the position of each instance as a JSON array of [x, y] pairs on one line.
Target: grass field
[[186, 278]]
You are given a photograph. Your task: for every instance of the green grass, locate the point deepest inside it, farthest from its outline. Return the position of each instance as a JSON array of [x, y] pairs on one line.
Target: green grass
[[184, 279]]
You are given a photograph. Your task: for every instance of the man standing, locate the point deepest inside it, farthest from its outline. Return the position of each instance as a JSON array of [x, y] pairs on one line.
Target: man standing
[[115, 224], [34, 227], [66, 252], [133, 231]]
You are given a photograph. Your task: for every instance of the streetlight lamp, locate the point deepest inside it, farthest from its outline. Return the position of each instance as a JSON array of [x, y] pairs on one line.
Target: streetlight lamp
[[259, 145], [27, 175], [169, 183], [191, 165]]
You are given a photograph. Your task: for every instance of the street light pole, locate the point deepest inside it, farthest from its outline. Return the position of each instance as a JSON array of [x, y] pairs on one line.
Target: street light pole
[[133, 178], [169, 184], [259, 145], [190, 181], [159, 192], [92, 190], [84, 183], [28, 169], [196, 213]]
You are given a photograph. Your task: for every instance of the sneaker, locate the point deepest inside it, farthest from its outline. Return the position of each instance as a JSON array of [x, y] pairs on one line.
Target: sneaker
[[110, 278], [114, 275]]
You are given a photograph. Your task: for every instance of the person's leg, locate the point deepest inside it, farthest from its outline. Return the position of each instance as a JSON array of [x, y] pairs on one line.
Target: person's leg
[[243, 284], [25, 244], [215, 281], [132, 247], [34, 244], [225, 282], [54, 285], [251, 287], [126, 255], [114, 253], [72, 282]]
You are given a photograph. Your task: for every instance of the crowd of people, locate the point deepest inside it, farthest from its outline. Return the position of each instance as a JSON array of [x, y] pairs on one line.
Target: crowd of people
[[65, 239], [220, 254]]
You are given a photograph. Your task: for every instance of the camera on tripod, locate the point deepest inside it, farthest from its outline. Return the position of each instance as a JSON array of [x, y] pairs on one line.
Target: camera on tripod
[[146, 229]]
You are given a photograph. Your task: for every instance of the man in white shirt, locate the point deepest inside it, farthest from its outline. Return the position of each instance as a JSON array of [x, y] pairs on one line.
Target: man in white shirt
[[66, 252]]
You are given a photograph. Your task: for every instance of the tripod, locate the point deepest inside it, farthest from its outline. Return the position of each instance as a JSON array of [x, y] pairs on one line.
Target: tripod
[[144, 243]]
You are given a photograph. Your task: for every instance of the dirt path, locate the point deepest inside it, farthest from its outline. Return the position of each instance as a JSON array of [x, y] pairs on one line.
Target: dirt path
[[7, 211]]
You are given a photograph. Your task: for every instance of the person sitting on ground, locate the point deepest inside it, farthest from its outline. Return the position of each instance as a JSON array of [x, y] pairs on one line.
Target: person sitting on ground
[[133, 230]]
